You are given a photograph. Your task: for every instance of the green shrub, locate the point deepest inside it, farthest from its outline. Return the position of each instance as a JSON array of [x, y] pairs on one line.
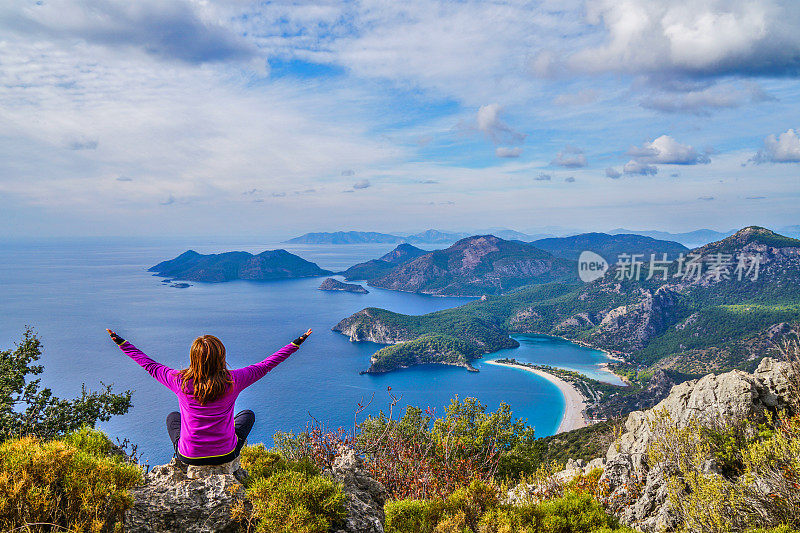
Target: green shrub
[[573, 512], [288, 496], [71, 483], [760, 472], [294, 502], [465, 506], [477, 509]]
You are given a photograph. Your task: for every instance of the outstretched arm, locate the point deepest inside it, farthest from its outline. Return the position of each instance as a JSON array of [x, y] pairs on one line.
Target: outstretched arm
[[244, 377], [162, 373]]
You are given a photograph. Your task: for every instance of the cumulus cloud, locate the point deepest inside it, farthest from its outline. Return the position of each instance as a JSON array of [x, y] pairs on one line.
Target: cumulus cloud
[[361, 184], [570, 157], [489, 122], [172, 30], [636, 167], [694, 37], [503, 151], [570, 179], [784, 148], [613, 173], [543, 177], [667, 151]]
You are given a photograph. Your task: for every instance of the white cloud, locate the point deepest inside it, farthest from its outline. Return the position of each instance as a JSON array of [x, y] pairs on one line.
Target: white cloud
[[489, 122], [695, 37], [543, 177], [503, 151], [784, 148], [636, 167], [179, 29], [570, 157], [667, 151], [361, 184], [613, 173]]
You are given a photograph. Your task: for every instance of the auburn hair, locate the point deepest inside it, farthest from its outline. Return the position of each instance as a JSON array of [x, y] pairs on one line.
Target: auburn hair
[[207, 370]]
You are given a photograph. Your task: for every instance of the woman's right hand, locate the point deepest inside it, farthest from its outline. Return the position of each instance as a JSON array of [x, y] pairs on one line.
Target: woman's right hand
[[116, 338]]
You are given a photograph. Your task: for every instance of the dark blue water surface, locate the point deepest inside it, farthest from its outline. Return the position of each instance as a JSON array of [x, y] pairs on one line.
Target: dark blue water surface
[[71, 290]]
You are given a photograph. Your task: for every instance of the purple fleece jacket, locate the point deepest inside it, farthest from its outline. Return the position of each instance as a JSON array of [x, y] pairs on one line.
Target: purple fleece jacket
[[207, 430]]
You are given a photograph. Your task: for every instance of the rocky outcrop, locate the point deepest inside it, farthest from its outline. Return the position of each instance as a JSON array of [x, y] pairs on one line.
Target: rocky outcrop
[[189, 499], [365, 496], [331, 284], [639, 323], [638, 493], [734, 395], [368, 325]]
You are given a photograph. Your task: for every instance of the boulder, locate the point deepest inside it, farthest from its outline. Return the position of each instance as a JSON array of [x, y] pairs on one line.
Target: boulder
[[176, 497], [365, 496]]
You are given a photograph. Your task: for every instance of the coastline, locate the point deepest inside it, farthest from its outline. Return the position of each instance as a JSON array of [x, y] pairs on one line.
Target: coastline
[[612, 356], [574, 402]]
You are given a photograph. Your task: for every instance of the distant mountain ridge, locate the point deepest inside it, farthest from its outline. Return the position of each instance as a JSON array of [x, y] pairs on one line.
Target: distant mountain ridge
[[344, 237], [610, 247], [377, 267], [691, 239], [228, 266], [430, 236], [477, 265]]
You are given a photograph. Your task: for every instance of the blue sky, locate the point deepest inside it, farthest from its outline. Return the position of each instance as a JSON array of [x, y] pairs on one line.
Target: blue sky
[[272, 119]]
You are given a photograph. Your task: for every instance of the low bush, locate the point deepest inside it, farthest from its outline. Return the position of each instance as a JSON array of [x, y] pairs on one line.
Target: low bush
[[72, 484], [287, 496], [477, 509], [731, 476]]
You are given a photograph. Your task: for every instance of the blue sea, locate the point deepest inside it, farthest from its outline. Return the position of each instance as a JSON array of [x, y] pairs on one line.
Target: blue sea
[[70, 290]]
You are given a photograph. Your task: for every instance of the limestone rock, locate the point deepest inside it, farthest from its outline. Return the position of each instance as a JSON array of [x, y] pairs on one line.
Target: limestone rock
[[734, 395], [365, 496], [170, 500]]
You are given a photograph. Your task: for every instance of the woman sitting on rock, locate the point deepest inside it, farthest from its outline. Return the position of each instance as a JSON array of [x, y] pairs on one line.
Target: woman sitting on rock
[[205, 432]]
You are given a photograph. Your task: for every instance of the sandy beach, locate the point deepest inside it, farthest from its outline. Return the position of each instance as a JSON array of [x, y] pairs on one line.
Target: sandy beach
[[574, 402]]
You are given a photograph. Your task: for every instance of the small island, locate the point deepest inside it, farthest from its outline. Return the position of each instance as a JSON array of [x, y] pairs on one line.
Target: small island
[[331, 284], [229, 266], [180, 285]]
